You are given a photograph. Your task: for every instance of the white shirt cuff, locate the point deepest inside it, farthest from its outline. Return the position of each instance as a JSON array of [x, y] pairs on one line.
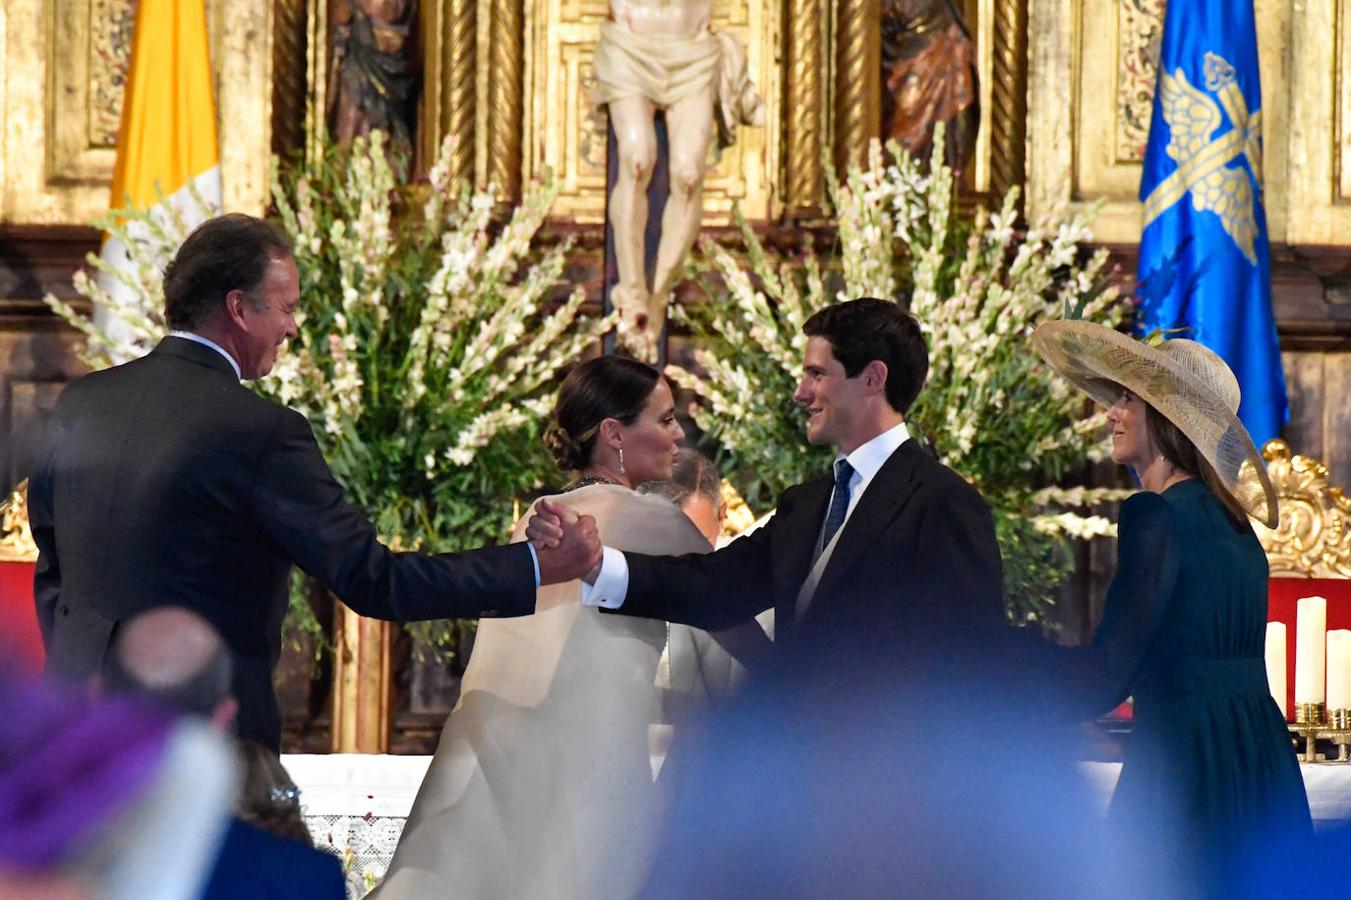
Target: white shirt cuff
[[534, 561], [612, 584]]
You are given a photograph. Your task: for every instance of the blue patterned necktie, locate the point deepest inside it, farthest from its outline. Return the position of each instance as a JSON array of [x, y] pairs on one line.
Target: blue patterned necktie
[[839, 502]]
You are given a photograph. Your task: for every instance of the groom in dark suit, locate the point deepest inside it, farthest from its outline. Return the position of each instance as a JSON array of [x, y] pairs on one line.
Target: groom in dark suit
[[891, 554], [167, 482]]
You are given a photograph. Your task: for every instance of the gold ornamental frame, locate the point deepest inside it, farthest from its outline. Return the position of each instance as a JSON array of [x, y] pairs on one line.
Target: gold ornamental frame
[[56, 158], [16, 537]]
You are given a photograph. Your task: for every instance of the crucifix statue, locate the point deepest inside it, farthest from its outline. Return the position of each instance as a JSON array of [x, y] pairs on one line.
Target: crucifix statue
[[661, 56]]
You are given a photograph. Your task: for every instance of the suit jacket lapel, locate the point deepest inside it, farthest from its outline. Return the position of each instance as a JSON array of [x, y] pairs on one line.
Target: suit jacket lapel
[[890, 488], [801, 528]]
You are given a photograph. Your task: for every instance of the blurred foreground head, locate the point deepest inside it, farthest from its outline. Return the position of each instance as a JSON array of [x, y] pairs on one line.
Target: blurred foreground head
[[177, 657], [871, 778]]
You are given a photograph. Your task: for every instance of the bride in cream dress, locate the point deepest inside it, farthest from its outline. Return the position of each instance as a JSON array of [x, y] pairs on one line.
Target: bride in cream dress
[[542, 784]]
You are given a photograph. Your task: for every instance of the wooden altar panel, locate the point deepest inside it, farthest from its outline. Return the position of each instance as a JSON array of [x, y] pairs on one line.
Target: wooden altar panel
[[1092, 69], [563, 132], [60, 120], [1320, 417]]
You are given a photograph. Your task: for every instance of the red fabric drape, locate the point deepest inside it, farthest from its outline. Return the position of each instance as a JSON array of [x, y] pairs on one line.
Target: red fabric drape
[[20, 641]]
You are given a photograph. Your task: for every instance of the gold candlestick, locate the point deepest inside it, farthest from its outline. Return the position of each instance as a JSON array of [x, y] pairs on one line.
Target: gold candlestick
[[1338, 731], [1310, 719], [1310, 713]]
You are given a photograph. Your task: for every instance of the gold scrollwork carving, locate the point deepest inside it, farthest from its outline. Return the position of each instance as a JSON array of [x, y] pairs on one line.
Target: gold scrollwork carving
[[1313, 538], [110, 55], [858, 75], [1139, 33], [506, 76], [805, 132], [739, 515], [16, 538]]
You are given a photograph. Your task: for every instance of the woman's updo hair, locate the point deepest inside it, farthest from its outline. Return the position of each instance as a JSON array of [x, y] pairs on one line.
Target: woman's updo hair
[[607, 387]]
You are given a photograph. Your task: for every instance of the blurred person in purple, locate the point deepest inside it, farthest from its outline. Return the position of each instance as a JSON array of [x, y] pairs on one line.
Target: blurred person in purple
[[111, 796]]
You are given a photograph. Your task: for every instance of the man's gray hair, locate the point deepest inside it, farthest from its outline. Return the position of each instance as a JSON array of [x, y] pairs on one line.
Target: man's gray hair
[[694, 473]]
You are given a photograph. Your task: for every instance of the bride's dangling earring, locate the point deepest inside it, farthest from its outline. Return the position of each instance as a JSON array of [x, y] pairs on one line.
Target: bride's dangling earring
[[621, 460]]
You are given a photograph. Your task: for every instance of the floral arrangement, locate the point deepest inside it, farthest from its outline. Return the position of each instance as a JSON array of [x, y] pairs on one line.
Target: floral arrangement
[[428, 345], [992, 410]]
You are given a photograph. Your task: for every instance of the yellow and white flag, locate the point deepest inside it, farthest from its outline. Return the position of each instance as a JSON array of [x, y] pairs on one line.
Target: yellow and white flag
[[168, 161]]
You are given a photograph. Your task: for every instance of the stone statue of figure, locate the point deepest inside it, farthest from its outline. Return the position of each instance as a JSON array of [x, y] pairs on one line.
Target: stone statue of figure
[[928, 76], [374, 72], [662, 55]]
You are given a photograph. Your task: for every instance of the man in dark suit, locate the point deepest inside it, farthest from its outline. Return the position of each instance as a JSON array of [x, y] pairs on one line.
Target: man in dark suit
[[893, 553], [165, 481]]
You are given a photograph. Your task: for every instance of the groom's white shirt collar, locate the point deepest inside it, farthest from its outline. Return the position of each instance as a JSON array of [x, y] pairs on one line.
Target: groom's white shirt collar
[[867, 460], [869, 457], [207, 342]]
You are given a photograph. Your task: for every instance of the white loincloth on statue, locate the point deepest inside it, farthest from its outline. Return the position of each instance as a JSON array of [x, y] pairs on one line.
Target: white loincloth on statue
[[666, 70]]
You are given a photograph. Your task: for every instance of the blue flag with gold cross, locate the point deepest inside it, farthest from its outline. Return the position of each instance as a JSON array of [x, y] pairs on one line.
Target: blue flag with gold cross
[[1205, 269]]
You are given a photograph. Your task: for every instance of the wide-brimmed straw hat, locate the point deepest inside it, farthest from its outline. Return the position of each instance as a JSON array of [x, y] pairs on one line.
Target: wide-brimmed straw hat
[[1186, 382]]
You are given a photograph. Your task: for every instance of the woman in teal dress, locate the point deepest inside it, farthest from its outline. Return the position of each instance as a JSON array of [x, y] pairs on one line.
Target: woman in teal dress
[[1210, 777]]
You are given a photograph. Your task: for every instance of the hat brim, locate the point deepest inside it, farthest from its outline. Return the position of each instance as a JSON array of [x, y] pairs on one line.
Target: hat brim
[[1100, 362]]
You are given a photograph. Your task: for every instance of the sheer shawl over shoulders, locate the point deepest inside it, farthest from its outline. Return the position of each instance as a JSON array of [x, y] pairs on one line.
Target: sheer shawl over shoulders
[[542, 784]]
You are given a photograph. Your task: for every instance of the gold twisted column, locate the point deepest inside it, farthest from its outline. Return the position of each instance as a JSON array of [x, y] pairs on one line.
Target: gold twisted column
[[506, 77], [805, 131], [858, 79], [316, 68], [450, 83], [289, 81], [1008, 93], [458, 89]]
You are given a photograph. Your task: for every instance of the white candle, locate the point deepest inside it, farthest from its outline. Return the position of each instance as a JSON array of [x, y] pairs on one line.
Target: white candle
[[1339, 669], [1276, 663], [1310, 647]]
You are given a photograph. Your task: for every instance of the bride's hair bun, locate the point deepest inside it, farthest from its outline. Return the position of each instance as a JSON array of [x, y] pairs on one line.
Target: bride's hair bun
[[568, 454], [607, 387]]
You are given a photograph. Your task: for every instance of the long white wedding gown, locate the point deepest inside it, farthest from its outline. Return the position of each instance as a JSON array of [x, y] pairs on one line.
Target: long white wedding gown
[[542, 786]]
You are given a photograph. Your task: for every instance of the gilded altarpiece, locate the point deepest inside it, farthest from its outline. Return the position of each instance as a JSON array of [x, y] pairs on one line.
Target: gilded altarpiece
[[1320, 123], [62, 68], [1092, 67]]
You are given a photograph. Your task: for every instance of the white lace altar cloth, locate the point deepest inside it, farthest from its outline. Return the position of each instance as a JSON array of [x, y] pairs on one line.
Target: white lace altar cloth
[[355, 805]]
